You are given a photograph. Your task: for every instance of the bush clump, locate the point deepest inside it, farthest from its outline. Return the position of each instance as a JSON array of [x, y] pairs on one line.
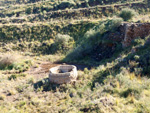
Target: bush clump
[[94, 37], [28, 11], [7, 61], [115, 22], [14, 76], [14, 61], [63, 43], [66, 4], [127, 14]]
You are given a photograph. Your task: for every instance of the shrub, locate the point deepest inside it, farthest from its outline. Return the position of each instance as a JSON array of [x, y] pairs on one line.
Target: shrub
[[86, 71], [131, 91], [63, 43], [14, 76], [23, 65], [115, 23], [93, 37], [7, 61], [90, 39], [28, 11], [127, 14], [66, 4], [14, 61], [92, 33], [2, 97], [32, 1]]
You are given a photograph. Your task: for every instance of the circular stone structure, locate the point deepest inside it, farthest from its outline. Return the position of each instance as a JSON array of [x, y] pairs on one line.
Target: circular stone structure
[[63, 74]]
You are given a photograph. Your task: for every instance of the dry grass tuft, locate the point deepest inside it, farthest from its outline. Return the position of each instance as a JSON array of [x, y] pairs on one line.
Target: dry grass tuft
[[7, 60]]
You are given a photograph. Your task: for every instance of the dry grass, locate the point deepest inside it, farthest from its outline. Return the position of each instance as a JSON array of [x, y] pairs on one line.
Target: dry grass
[[104, 89], [8, 59]]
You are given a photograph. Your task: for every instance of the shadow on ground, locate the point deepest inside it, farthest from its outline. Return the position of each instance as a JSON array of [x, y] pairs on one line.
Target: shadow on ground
[[45, 85]]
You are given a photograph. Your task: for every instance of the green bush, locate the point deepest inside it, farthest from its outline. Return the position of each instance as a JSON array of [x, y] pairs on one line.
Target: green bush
[[22, 66], [115, 22], [66, 4], [14, 76], [127, 14], [28, 11], [93, 38], [7, 61], [13, 61], [63, 43]]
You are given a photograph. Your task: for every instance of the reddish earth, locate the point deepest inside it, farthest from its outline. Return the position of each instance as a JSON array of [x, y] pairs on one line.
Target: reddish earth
[[43, 69]]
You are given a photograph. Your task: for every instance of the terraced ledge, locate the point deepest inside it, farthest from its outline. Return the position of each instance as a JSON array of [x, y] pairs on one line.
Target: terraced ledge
[[81, 13]]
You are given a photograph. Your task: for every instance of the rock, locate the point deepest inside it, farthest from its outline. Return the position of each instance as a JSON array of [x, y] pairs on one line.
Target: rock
[[134, 30], [124, 35], [127, 32]]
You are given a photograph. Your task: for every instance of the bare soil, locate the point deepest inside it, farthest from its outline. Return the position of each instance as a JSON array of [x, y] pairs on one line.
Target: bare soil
[[42, 70]]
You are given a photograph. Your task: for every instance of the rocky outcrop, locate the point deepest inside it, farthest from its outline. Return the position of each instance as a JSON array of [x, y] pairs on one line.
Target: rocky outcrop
[[134, 30], [127, 32], [124, 35]]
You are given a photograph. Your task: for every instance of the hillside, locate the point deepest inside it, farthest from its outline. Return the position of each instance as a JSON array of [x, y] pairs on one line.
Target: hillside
[[107, 40]]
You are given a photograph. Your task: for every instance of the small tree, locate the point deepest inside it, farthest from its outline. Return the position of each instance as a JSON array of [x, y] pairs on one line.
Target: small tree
[[127, 14]]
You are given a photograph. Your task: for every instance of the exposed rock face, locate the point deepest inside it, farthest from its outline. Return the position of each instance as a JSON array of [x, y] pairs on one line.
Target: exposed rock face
[[127, 32], [124, 35], [134, 30]]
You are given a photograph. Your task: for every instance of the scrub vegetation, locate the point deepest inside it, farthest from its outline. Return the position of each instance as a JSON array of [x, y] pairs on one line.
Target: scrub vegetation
[[36, 35]]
